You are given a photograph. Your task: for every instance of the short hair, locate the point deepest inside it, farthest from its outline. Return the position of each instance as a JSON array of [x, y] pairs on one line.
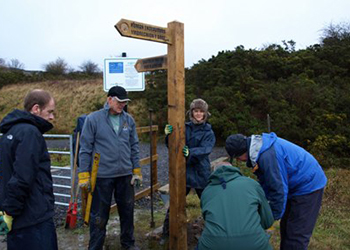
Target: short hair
[[37, 96]]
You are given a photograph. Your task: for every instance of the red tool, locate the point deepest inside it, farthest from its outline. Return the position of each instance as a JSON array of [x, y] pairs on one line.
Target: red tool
[[71, 218]]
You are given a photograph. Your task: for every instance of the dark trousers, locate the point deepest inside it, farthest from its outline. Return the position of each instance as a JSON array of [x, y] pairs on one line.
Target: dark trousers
[[299, 220], [39, 237], [124, 197], [199, 192]]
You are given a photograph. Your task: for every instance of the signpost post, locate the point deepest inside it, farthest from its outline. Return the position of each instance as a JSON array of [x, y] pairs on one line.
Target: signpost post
[[173, 36], [176, 117]]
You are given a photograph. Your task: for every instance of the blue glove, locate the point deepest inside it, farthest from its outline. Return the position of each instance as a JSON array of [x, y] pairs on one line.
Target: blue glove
[[186, 151], [168, 129]]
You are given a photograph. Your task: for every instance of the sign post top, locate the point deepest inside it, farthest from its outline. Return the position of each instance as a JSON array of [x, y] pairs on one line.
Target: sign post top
[[143, 31]]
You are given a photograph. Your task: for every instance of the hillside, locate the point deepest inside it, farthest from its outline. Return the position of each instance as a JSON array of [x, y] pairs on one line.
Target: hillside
[[73, 98], [306, 94]]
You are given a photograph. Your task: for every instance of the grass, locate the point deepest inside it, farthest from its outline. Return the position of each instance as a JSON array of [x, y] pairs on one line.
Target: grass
[[333, 226], [332, 230], [59, 160]]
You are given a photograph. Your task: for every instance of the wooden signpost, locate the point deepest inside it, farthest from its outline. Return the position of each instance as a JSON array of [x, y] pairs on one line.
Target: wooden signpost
[[143, 31], [151, 63], [173, 36]]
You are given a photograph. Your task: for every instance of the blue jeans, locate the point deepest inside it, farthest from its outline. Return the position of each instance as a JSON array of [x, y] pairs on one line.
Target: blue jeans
[[123, 193], [39, 237]]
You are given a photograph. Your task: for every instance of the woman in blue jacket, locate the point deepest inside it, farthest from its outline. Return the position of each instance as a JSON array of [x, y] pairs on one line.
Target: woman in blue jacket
[[200, 140]]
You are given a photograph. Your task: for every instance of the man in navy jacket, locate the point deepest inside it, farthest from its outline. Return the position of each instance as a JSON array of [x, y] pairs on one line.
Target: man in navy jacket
[[292, 179], [26, 192]]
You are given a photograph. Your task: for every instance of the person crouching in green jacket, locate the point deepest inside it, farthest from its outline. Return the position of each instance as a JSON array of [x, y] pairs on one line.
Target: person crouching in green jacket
[[235, 211]]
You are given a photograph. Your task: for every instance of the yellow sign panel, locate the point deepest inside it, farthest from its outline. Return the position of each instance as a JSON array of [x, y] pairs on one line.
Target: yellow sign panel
[[143, 31], [151, 63]]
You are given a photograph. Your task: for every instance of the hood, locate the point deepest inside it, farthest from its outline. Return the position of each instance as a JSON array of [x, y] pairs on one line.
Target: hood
[[258, 144], [224, 174], [268, 141], [20, 116]]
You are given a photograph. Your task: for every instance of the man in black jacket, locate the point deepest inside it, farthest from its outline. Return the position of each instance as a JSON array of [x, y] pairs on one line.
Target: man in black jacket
[[26, 192]]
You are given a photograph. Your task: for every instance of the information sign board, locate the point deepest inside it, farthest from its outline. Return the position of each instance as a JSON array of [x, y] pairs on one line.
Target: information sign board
[[121, 71]]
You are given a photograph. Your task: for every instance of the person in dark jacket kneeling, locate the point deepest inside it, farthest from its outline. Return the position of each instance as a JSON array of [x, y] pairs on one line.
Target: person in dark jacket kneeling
[[292, 179], [235, 211], [26, 191]]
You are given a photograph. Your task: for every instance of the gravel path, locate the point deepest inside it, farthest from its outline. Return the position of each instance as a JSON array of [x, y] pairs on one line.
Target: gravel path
[[163, 161], [162, 165]]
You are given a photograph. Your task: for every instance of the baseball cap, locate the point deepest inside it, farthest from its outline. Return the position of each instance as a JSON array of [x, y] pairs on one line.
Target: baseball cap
[[118, 92]]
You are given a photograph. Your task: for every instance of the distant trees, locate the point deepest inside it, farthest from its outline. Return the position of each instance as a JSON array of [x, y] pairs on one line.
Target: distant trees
[[15, 64], [335, 33], [12, 64], [2, 63], [58, 67], [306, 93], [13, 71], [89, 67]]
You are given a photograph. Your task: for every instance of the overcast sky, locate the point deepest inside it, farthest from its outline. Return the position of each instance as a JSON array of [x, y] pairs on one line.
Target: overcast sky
[[39, 31]]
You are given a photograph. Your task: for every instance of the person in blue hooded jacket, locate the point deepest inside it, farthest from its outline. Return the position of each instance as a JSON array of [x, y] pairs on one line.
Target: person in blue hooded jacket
[[200, 140], [292, 179]]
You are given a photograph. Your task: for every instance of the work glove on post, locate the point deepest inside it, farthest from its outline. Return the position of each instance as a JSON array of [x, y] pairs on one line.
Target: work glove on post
[[5, 222], [168, 129], [84, 181], [186, 151], [136, 177]]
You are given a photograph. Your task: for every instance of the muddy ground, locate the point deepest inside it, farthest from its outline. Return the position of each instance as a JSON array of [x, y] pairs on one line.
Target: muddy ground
[[78, 238], [145, 236]]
